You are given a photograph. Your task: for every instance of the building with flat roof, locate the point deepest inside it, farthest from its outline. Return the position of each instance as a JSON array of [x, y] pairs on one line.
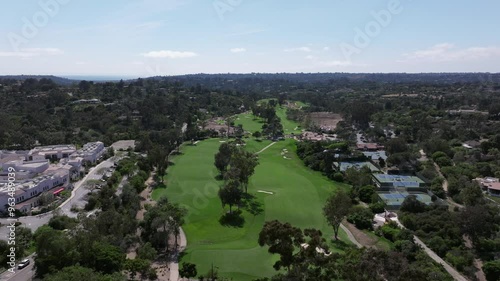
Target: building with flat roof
[[52, 152], [375, 155], [386, 182], [7, 156], [343, 166], [90, 152], [50, 180], [369, 146], [35, 166]]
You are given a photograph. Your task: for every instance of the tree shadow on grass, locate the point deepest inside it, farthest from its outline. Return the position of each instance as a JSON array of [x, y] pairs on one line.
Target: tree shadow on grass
[[234, 219], [251, 204]]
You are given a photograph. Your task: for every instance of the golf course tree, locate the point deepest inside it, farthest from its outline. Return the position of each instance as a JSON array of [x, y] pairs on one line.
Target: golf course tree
[[223, 157], [158, 157], [235, 164], [238, 131], [231, 194], [242, 166], [273, 129], [306, 256], [161, 221], [282, 239], [337, 207], [266, 111], [188, 270]]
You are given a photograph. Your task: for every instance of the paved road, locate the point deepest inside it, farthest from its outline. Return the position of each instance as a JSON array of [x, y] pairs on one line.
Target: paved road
[[77, 198], [351, 236], [265, 148], [24, 274], [34, 222], [174, 266], [452, 271]]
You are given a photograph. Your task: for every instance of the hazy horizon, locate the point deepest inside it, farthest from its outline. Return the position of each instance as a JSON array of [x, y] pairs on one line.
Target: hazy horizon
[[173, 37]]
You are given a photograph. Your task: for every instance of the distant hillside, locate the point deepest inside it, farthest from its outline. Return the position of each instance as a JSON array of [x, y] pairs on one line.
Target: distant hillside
[[447, 78], [56, 79]]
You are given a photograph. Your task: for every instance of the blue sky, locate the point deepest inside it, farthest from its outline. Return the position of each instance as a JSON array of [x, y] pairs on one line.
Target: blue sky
[[167, 37]]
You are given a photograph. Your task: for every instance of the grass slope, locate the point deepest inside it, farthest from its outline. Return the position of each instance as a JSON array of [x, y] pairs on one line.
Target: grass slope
[[299, 195], [249, 121]]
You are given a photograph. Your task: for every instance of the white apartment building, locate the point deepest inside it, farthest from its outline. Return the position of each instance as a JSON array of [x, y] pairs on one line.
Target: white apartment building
[[7, 156], [52, 152], [53, 180], [35, 166], [90, 152]]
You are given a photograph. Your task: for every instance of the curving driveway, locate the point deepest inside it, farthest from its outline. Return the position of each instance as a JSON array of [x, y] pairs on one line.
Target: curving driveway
[[77, 198]]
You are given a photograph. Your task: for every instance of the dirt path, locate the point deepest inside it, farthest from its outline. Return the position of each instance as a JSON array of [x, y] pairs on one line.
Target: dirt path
[[361, 237], [445, 182], [163, 271], [478, 263], [451, 270], [350, 236], [445, 187], [264, 149], [174, 266]]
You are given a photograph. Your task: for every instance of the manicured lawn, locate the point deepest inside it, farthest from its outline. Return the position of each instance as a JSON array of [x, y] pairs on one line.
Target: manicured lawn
[[299, 195], [288, 125], [250, 122]]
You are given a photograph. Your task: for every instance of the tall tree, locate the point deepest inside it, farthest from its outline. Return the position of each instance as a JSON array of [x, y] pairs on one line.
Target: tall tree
[[223, 157], [282, 239], [158, 158], [243, 165], [336, 209], [230, 194]]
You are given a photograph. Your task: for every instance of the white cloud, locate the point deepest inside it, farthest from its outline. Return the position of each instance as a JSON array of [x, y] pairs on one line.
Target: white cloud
[[310, 57], [299, 49], [44, 51], [326, 49], [238, 50], [335, 63], [169, 54], [447, 52], [33, 52]]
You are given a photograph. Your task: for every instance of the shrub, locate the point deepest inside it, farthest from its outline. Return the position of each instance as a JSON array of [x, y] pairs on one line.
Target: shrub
[[362, 218], [389, 232], [338, 177], [377, 208]]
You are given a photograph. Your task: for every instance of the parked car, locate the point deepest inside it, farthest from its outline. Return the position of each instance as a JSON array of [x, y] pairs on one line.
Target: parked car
[[24, 263]]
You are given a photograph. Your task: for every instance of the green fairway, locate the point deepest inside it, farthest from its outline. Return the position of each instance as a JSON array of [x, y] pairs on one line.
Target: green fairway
[[298, 197], [249, 122], [289, 126]]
